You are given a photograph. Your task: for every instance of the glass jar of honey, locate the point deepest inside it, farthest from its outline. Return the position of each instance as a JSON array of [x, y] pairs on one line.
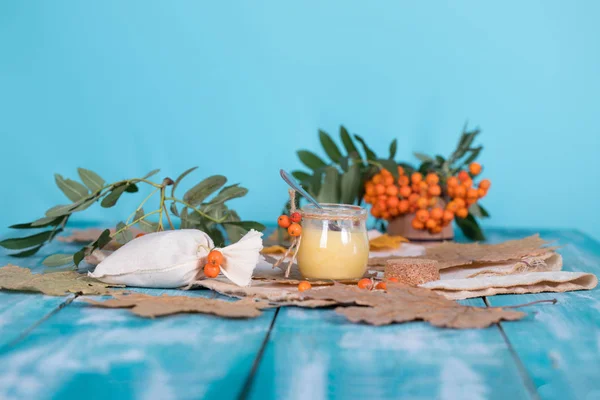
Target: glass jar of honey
[[334, 242]]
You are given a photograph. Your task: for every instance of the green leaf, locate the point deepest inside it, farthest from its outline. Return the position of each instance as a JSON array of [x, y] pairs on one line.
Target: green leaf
[[38, 223], [174, 210], [56, 260], [348, 143], [151, 173], [131, 188], [79, 256], [62, 210], [91, 179], [311, 160], [247, 225], [315, 182], [330, 191], [148, 226], [29, 241], [202, 190], [180, 178], [350, 185], [423, 157], [393, 148], [85, 205], [228, 193], [27, 253], [470, 228], [111, 199], [75, 191], [217, 236], [331, 149], [478, 211], [125, 235], [391, 166], [440, 160], [370, 154], [184, 218], [102, 240], [302, 177], [473, 156]]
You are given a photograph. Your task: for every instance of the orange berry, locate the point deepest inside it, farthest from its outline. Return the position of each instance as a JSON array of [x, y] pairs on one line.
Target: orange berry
[[422, 215], [304, 285], [376, 211], [422, 203], [481, 192], [433, 201], [485, 184], [382, 203], [139, 235], [460, 192], [365, 283], [215, 257], [452, 206], [403, 206], [381, 286], [452, 181], [384, 172], [370, 188], [470, 202], [436, 229], [296, 217], [460, 203], [413, 198], [391, 190], [379, 188], [430, 224], [435, 190], [405, 191], [393, 212], [416, 224], [283, 221], [388, 180], [448, 216], [462, 213], [393, 279], [416, 177], [392, 202], [385, 215], [404, 180], [452, 191], [377, 178], [211, 271], [367, 199], [463, 176], [475, 168], [432, 179], [468, 183], [472, 194], [295, 229], [400, 170], [437, 213]]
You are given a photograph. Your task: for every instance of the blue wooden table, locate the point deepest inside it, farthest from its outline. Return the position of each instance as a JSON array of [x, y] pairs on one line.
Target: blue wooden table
[[62, 348]]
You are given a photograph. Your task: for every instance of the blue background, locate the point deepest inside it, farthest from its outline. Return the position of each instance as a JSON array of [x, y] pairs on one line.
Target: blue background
[[123, 87]]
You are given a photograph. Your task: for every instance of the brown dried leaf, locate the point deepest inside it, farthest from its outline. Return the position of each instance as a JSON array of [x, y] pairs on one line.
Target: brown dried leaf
[[450, 254], [386, 242], [158, 306], [404, 303], [85, 236], [276, 249], [17, 278]]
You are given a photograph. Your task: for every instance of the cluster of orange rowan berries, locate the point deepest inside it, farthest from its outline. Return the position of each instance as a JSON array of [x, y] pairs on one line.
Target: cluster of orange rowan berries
[[423, 196], [291, 223], [364, 283], [214, 260]]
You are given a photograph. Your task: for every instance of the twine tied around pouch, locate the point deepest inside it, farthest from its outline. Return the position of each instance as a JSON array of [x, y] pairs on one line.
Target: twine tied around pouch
[[295, 243]]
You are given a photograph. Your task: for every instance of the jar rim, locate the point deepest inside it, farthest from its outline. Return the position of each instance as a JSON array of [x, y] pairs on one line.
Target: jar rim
[[334, 211]]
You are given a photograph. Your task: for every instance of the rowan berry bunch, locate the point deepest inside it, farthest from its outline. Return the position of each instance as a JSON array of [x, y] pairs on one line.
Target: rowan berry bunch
[[214, 260], [433, 203], [291, 223]]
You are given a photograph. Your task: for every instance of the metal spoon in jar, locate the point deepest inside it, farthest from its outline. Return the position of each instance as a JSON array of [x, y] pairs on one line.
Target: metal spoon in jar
[[289, 179]]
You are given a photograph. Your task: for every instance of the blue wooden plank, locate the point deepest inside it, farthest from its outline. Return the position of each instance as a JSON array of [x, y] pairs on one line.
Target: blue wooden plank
[[559, 345], [87, 352], [317, 354]]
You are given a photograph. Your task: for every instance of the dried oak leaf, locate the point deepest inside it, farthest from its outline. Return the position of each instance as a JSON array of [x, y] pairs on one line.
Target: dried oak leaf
[[158, 306], [404, 303], [17, 278]]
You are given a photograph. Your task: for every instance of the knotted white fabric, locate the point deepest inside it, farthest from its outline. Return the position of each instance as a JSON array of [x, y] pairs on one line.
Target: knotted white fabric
[[173, 259]]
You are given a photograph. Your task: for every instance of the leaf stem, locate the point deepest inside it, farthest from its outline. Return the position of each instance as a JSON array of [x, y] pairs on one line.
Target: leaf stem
[[133, 223], [139, 207]]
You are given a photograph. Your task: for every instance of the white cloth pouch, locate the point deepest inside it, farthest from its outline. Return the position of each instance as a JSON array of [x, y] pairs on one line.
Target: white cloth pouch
[[176, 258]]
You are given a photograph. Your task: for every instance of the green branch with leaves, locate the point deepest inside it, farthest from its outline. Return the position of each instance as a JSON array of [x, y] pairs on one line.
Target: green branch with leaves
[[201, 207]]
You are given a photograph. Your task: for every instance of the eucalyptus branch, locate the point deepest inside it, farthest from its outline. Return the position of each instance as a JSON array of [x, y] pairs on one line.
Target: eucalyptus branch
[[203, 214]]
